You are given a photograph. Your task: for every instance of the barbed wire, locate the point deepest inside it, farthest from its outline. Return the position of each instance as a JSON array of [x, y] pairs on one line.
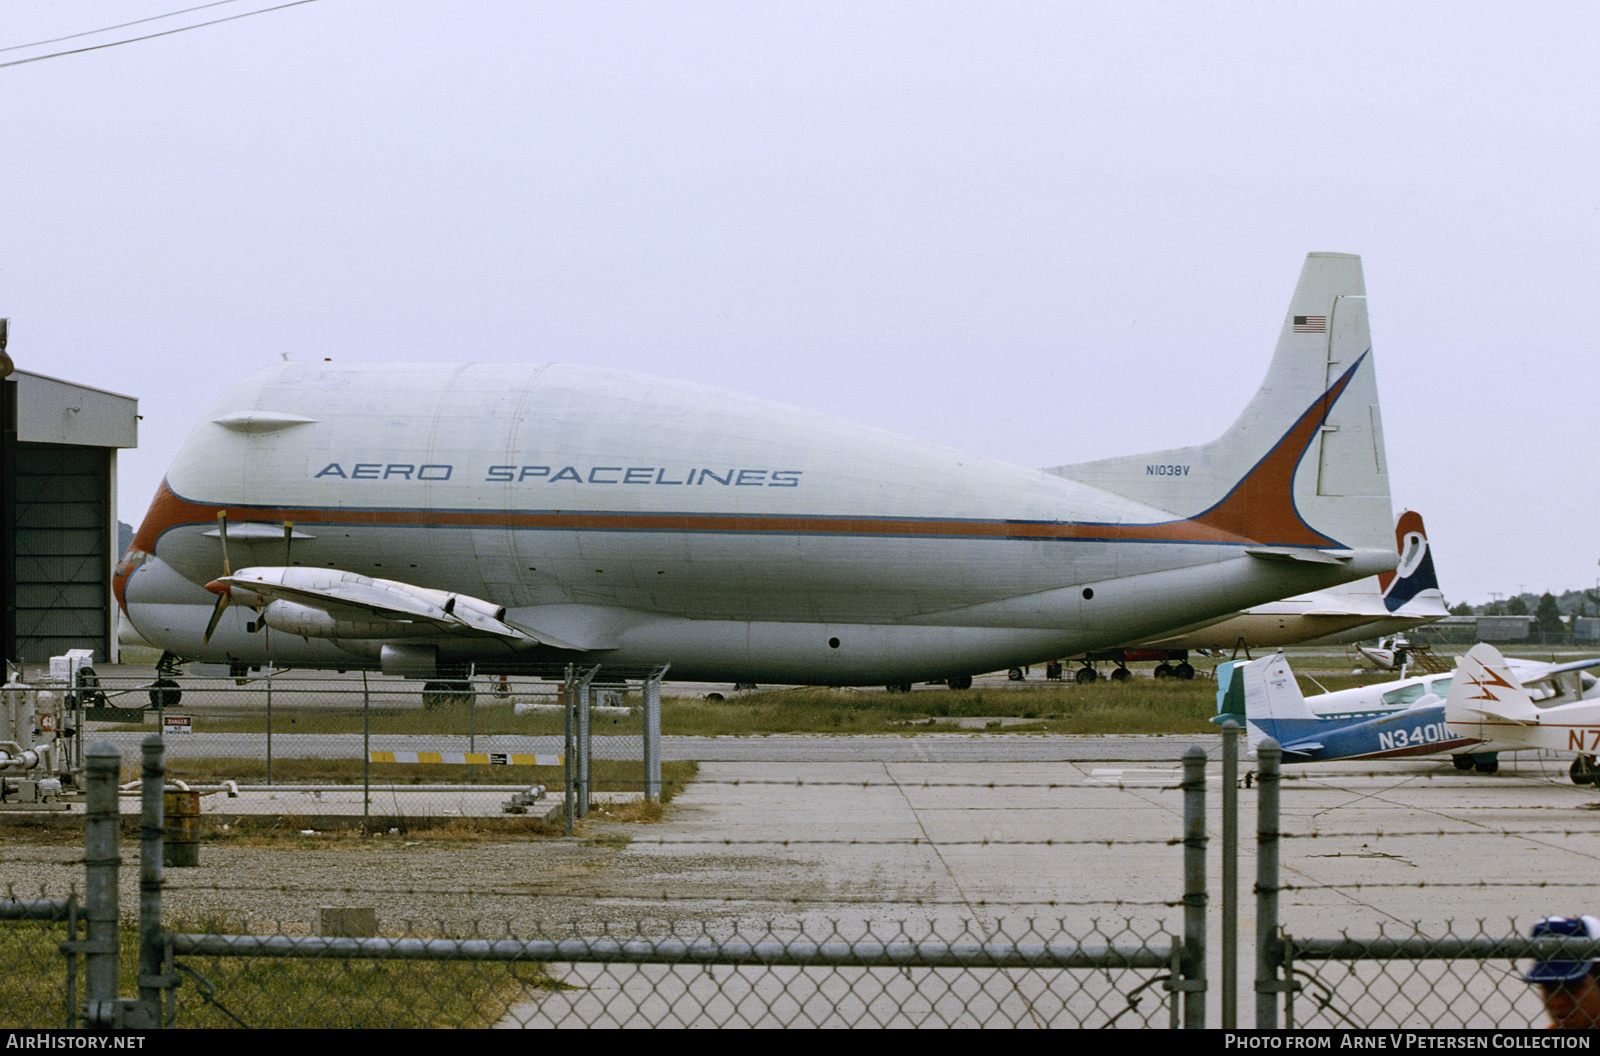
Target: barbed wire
[[877, 899]]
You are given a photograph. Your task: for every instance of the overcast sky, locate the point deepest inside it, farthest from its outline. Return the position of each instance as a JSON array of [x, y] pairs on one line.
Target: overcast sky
[[1046, 232]]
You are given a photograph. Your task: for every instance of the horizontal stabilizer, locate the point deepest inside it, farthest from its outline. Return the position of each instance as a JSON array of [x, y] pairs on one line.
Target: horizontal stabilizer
[[1285, 553]]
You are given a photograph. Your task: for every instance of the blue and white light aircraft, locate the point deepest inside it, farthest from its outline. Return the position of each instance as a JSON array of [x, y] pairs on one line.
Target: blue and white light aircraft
[[1410, 722]]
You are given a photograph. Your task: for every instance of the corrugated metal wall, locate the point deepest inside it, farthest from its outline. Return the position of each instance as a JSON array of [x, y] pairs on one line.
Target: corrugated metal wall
[[63, 559]]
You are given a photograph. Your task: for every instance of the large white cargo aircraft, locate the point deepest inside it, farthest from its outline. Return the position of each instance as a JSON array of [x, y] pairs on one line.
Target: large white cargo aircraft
[[420, 518]]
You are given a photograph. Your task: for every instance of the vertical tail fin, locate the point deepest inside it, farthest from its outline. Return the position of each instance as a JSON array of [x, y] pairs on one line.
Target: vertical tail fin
[[1485, 689], [1414, 579], [1270, 691], [1304, 464], [1273, 704]]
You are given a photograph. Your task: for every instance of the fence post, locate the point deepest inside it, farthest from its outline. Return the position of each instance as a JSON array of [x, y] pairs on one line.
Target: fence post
[[101, 855], [1230, 875], [569, 691], [152, 832], [652, 735], [1269, 944], [575, 757], [269, 723], [366, 756], [1194, 889], [585, 702]]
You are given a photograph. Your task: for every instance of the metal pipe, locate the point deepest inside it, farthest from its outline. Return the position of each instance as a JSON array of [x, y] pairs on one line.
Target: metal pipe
[[652, 735], [233, 788]]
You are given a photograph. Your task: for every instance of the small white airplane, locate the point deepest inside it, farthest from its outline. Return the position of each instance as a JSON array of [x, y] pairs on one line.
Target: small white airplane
[[1488, 700], [428, 519], [1390, 654]]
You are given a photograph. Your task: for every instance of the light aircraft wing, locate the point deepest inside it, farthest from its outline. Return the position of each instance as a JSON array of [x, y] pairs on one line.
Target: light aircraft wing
[[1543, 671]]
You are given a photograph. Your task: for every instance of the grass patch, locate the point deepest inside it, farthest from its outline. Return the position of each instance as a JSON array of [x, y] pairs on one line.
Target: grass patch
[[1138, 706], [273, 992]]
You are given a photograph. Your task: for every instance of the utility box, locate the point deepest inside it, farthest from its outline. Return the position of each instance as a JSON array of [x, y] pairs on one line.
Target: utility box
[[64, 669]]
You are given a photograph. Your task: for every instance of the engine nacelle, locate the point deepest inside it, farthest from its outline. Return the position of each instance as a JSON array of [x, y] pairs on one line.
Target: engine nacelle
[[409, 661], [310, 622]]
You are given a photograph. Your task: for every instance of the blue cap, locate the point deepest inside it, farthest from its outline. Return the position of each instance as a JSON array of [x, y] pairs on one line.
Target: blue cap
[[1562, 927]]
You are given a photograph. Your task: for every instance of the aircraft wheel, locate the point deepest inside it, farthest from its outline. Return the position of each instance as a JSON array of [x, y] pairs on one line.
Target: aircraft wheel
[[1121, 674], [1086, 675], [959, 682], [1582, 772], [899, 687], [88, 689], [1052, 671], [1462, 762], [1185, 671], [164, 693], [1164, 671], [1015, 674], [437, 695], [1489, 765]]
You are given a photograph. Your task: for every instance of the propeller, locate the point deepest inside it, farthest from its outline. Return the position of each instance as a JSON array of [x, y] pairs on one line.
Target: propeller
[[216, 587], [221, 589]]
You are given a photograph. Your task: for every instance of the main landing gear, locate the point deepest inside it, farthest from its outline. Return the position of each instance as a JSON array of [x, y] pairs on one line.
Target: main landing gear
[[447, 694], [1482, 762]]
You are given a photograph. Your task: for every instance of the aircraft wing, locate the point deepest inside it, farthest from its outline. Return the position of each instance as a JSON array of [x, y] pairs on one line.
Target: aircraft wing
[[1542, 671], [359, 598]]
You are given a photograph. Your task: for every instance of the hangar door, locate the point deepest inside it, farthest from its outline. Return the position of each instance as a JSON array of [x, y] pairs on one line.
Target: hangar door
[[62, 550]]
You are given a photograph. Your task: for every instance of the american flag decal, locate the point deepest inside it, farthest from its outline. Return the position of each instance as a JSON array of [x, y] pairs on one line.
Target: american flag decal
[[1310, 324]]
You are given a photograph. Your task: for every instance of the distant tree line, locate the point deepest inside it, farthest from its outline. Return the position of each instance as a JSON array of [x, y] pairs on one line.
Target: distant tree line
[[1553, 617]]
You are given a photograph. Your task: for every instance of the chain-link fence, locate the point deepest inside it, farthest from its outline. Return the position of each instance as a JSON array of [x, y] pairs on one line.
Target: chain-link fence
[[1441, 980], [381, 751], [37, 986], [937, 971], [690, 976], [650, 961]]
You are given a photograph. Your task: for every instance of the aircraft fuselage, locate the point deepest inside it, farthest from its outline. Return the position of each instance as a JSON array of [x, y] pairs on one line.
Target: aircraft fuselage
[[639, 520]]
